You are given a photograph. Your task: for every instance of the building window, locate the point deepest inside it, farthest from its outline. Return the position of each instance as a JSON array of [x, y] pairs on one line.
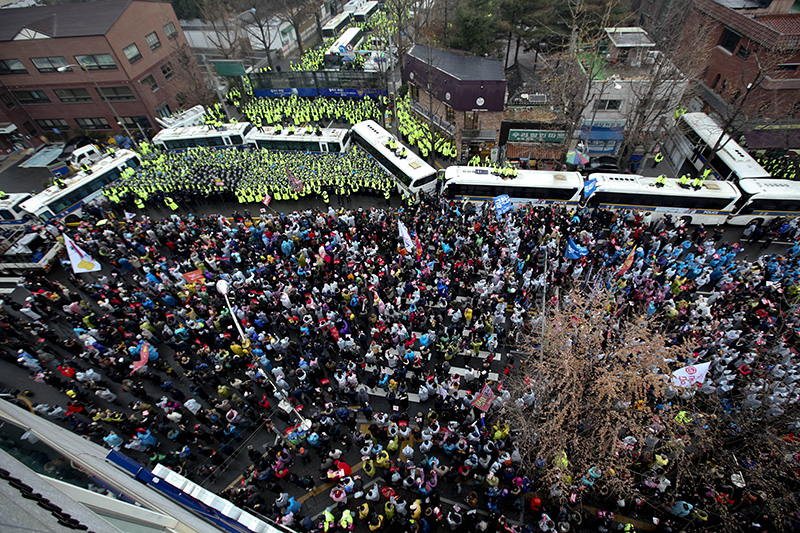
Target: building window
[[69, 96], [608, 105], [96, 62], [116, 94], [53, 124], [153, 41], [729, 40], [163, 111], [98, 123], [788, 66], [49, 64], [150, 81], [471, 121], [7, 101], [29, 128], [414, 90], [132, 53], [167, 71], [743, 52], [449, 114], [169, 29], [12, 66], [133, 122], [31, 97]]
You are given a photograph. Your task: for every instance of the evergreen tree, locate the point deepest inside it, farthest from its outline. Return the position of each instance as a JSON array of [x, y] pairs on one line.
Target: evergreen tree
[[475, 27]]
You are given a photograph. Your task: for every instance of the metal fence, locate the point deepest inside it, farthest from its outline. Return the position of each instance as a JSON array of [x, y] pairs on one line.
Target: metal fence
[[352, 84]]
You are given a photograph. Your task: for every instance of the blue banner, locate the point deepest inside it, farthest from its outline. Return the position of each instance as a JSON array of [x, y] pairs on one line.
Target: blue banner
[[278, 93], [502, 204], [589, 187], [343, 92], [574, 251]]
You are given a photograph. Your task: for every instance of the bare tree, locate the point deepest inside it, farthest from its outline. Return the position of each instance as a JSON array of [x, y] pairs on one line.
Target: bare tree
[[597, 376], [568, 77], [193, 87], [749, 102], [598, 413], [259, 26], [226, 35], [656, 94], [296, 12]]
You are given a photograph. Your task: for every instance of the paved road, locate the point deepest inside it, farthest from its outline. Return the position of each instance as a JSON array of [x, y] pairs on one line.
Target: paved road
[[229, 473]]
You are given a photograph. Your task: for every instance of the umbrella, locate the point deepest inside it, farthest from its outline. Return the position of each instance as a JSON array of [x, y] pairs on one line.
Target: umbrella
[[574, 157]]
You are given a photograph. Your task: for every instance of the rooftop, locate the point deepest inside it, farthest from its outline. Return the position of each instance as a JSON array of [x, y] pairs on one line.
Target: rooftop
[[784, 23], [744, 4], [629, 38], [460, 65], [63, 20], [777, 32]]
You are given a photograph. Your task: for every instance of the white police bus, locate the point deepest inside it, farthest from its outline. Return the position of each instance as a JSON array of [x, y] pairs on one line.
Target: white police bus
[[365, 11], [336, 25], [11, 211], [691, 144], [347, 44], [324, 140], [411, 173], [713, 203], [66, 201], [478, 184], [765, 199], [230, 135]]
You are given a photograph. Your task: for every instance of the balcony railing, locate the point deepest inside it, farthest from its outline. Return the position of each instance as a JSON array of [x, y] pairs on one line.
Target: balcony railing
[[439, 122]]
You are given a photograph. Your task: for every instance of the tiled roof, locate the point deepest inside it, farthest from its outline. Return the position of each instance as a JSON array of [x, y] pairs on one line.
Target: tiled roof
[[786, 23], [62, 20], [754, 29]]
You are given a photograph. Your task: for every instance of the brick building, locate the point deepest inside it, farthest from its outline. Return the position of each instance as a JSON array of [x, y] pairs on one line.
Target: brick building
[[755, 44], [461, 94], [135, 58]]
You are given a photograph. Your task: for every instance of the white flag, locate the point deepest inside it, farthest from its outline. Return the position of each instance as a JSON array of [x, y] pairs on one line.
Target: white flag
[[690, 376], [129, 216], [408, 243], [81, 261]]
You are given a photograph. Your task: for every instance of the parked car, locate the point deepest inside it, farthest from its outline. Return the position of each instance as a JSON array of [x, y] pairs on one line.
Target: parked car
[[603, 163]]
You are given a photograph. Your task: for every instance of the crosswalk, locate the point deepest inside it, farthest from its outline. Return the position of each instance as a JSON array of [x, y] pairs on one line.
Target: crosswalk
[[8, 284]]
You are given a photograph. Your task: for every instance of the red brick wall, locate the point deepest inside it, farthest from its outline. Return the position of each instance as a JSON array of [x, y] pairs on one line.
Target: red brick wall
[[772, 97], [139, 19]]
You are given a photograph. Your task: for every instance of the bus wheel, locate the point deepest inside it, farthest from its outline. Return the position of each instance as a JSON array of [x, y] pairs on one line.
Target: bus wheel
[[72, 219], [687, 221], [758, 221]]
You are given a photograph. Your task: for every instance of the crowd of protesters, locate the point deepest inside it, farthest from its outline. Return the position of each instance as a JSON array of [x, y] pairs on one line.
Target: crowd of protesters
[[339, 312]]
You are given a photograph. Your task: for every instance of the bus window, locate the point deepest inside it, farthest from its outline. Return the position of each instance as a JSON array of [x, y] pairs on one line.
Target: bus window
[[424, 180]]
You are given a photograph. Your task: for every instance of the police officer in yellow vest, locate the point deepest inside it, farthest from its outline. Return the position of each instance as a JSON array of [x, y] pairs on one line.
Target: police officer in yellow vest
[[684, 181], [661, 180]]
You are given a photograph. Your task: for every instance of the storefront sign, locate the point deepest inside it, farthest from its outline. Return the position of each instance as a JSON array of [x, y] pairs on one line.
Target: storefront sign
[[536, 136]]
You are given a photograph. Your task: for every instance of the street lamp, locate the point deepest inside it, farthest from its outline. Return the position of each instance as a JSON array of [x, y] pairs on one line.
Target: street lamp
[[223, 287], [65, 68]]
